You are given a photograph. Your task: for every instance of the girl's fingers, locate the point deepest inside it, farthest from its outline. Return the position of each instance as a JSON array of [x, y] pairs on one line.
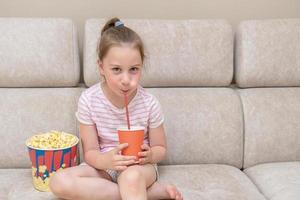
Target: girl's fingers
[[124, 158], [125, 163], [142, 160], [120, 168], [142, 154], [120, 147], [145, 147], [129, 158]]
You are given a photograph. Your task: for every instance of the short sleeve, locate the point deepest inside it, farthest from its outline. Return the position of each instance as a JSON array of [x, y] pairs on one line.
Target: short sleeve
[[156, 115], [83, 113]]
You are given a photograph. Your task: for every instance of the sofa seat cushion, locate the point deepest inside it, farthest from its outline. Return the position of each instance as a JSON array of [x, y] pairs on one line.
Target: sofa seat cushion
[[277, 181], [210, 181], [17, 184], [204, 182], [8, 177]]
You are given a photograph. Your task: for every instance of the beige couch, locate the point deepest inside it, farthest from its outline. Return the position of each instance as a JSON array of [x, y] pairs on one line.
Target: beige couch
[[226, 141]]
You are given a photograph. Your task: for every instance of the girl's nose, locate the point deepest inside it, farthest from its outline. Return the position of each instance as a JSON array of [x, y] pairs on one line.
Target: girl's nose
[[125, 79]]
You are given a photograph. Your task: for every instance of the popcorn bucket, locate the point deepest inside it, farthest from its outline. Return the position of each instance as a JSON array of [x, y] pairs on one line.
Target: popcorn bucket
[[49, 153]]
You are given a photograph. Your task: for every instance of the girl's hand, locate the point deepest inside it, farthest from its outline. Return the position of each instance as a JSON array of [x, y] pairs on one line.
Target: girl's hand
[[116, 161], [145, 155]]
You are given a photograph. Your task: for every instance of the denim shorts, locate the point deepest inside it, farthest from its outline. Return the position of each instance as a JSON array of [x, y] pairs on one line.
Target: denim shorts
[[114, 174]]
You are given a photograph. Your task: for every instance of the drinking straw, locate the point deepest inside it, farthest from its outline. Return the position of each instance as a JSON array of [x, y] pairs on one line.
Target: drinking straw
[[127, 113]]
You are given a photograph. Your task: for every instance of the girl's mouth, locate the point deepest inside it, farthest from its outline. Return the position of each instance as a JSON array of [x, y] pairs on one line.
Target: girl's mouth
[[125, 91]]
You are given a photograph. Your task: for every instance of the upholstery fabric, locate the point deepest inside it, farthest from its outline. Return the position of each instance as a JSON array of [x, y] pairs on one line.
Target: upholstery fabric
[[203, 125], [277, 181], [213, 129], [25, 112], [210, 182], [267, 53], [9, 177], [179, 52], [272, 128], [18, 185], [38, 52]]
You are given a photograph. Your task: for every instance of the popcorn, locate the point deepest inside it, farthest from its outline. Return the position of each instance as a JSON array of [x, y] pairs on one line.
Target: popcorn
[[52, 140], [49, 153]]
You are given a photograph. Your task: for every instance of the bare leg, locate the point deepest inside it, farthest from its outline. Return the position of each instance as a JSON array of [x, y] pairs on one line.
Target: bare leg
[[84, 182], [134, 181]]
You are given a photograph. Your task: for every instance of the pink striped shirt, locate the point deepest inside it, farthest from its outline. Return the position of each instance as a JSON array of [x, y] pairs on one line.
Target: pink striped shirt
[[95, 109]]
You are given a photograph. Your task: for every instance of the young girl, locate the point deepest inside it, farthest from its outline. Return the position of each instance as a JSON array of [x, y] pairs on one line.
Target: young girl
[[107, 174]]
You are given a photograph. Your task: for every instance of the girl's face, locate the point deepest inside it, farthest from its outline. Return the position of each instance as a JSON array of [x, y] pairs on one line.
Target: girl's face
[[121, 67]]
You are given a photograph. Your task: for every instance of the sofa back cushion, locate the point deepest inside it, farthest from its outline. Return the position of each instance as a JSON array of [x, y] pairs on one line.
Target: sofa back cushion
[[38, 52], [267, 53], [29, 111], [203, 125], [272, 128], [178, 52]]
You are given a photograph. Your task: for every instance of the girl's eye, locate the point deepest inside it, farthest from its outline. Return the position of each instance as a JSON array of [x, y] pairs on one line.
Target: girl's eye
[[116, 69], [134, 69]]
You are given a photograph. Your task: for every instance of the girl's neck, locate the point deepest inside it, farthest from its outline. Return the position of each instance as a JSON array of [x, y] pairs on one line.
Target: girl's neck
[[114, 99]]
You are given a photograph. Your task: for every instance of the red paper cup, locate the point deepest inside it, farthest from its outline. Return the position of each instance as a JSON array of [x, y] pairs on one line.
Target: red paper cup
[[134, 137], [45, 162]]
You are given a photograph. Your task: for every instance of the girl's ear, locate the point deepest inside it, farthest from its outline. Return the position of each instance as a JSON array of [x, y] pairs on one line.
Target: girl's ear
[[100, 65]]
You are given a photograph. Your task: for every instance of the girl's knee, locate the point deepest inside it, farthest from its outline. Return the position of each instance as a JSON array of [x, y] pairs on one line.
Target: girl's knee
[[131, 176], [61, 184]]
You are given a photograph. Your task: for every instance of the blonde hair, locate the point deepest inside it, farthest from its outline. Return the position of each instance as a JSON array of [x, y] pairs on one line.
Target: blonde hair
[[114, 33]]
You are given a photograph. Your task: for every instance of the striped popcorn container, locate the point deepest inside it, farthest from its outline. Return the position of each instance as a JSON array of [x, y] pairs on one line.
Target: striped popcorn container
[[49, 153]]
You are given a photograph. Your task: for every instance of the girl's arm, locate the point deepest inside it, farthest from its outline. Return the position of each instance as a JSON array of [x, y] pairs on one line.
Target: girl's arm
[[90, 144], [157, 144]]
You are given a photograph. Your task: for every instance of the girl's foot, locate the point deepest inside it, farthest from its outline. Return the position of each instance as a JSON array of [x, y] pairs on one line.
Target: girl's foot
[[163, 191]]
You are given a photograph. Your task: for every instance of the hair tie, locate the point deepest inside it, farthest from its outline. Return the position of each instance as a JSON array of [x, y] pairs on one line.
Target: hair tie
[[119, 23]]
